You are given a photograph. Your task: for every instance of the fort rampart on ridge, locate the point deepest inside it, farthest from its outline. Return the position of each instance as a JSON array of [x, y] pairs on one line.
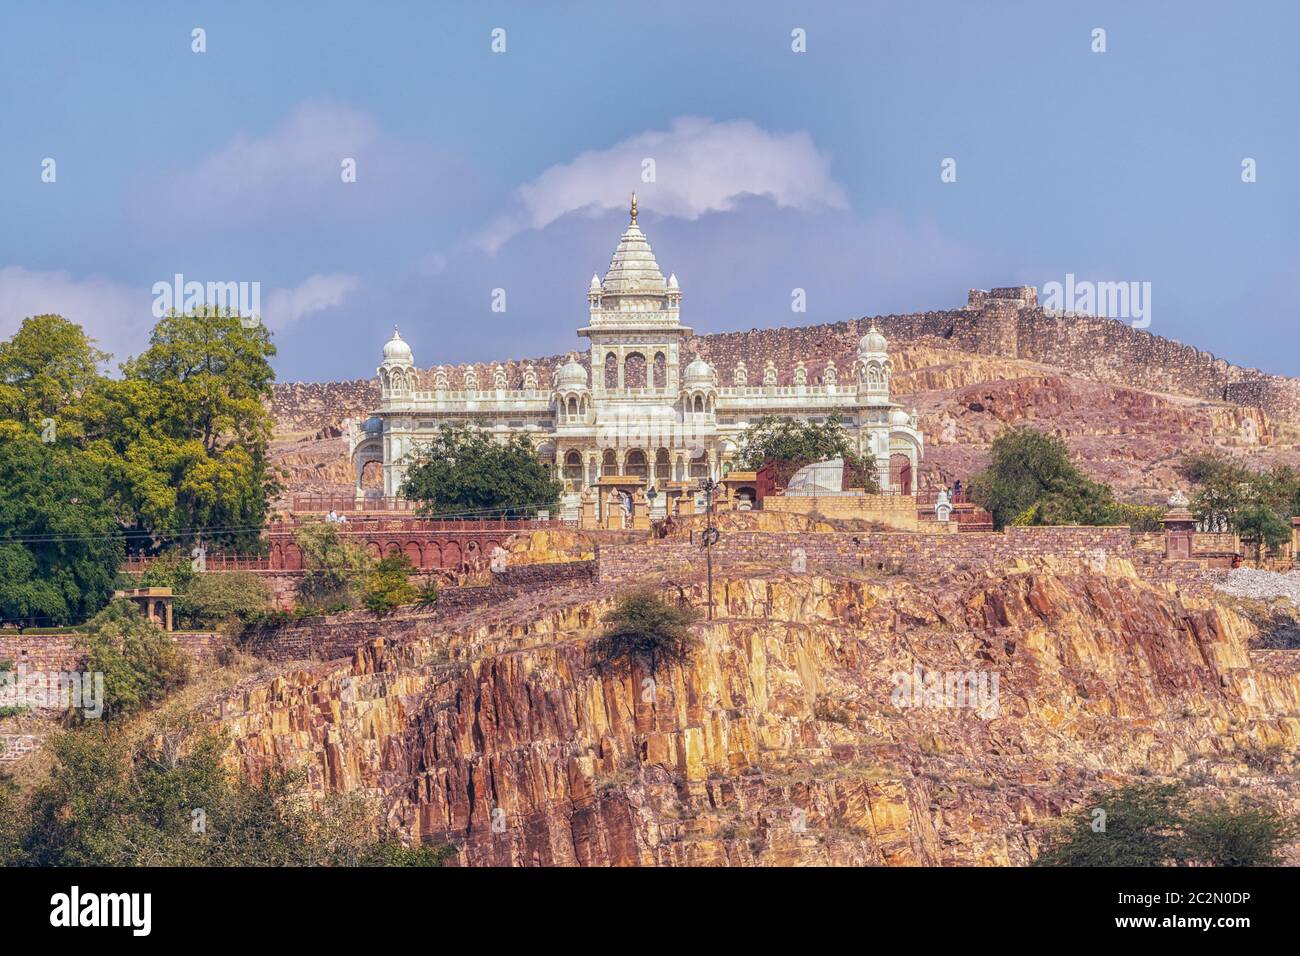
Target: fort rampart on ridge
[[1005, 322]]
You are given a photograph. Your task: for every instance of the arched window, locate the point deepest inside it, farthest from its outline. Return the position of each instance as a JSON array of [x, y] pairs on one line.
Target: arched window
[[661, 370], [634, 371], [699, 464], [573, 466], [663, 469], [611, 370], [699, 405], [635, 464], [608, 463], [573, 406]]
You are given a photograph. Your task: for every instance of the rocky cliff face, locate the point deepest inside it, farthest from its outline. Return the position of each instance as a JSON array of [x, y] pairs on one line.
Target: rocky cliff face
[[786, 739]]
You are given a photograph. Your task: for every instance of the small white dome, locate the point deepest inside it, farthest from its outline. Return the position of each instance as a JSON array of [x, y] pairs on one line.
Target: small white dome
[[396, 349], [699, 372], [572, 375], [899, 417], [672, 281], [873, 341], [595, 283]]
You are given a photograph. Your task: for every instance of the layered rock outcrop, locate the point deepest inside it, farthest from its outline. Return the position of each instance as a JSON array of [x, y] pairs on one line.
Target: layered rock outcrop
[[785, 739]]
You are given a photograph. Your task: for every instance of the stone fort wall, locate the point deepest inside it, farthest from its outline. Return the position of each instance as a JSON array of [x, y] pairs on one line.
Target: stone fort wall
[[61, 652], [1005, 322], [934, 554]]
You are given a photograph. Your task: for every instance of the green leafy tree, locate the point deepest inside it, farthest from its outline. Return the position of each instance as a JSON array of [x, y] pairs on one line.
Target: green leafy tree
[[172, 568], [223, 598], [1136, 825], [643, 626], [1032, 480], [60, 545], [333, 566], [140, 662], [388, 584], [1257, 506], [184, 434], [108, 802], [793, 443], [45, 369], [1237, 835], [1258, 524], [1154, 825], [1222, 489], [464, 470]]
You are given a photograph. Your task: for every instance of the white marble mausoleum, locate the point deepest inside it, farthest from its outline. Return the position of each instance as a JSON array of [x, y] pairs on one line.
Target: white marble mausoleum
[[651, 410]]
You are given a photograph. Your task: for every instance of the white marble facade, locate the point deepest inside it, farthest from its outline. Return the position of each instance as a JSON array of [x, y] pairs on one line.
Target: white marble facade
[[649, 409]]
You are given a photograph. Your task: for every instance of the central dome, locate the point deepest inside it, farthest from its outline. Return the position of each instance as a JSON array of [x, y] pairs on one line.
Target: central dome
[[633, 267]]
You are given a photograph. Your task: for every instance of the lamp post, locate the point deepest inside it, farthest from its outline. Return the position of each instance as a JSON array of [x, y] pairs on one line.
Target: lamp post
[[710, 536]]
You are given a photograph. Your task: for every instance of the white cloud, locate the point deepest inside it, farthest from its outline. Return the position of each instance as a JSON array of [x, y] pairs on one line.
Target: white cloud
[[119, 316], [293, 172], [115, 315], [701, 166], [314, 294]]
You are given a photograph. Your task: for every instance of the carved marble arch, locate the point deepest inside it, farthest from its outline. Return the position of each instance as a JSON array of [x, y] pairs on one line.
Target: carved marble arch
[[572, 406], [368, 452], [611, 370], [634, 371], [608, 463], [660, 370]]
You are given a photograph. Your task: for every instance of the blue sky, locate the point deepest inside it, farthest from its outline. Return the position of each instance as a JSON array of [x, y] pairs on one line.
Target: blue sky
[[775, 170]]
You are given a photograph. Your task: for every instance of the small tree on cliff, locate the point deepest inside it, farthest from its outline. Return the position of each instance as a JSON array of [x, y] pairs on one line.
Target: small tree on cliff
[[333, 566], [388, 585], [1152, 825], [140, 662], [645, 626], [465, 470]]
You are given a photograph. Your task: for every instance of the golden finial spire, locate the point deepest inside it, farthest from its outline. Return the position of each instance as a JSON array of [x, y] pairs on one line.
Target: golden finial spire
[[634, 209]]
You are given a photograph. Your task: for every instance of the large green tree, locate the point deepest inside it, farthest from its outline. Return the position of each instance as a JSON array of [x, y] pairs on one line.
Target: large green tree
[[60, 544], [1032, 480], [184, 434], [467, 471], [45, 369], [1256, 505], [793, 443]]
